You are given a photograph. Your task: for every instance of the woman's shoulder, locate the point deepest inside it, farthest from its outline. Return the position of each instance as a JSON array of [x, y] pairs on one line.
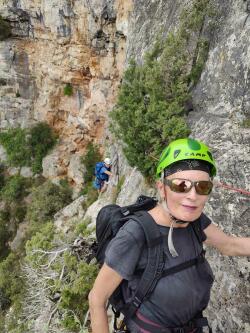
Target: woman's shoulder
[[133, 228]]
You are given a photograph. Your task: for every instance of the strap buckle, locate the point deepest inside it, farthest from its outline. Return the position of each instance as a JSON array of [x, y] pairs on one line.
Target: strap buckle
[[136, 302], [125, 211], [180, 330]]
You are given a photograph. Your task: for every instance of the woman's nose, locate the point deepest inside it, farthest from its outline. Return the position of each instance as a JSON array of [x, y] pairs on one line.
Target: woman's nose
[[192, 194]]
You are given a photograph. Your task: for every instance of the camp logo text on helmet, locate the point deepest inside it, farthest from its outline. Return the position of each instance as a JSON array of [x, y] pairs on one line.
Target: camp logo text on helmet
[[185, 149]]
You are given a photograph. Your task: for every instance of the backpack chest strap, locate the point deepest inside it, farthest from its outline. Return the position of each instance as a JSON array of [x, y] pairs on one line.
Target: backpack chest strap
[[192, 262]]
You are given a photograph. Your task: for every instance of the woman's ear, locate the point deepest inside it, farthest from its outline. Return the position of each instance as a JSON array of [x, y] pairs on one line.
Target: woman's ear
[[160, 188]]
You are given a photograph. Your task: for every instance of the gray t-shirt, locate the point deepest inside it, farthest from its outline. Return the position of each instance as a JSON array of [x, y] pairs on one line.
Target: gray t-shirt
[[177, 298]]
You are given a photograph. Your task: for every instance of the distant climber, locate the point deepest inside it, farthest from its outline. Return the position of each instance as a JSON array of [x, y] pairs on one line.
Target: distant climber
[[102, 174]]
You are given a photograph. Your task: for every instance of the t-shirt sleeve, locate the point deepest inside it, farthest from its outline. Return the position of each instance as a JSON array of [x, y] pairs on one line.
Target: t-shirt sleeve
[[204, 221], [103, 169], [124, 250]]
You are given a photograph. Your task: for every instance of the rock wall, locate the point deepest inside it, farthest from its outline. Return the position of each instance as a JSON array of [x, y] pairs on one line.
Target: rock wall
[[86, 43], [221, 104], [79, 43]]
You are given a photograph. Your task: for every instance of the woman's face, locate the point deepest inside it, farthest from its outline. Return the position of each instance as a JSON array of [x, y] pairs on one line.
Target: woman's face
[[185, 206]]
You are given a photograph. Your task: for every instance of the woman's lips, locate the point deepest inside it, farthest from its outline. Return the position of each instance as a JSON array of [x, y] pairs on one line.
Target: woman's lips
[[189, 208]]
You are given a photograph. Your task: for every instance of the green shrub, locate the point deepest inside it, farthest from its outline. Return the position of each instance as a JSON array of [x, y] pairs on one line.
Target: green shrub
[[16, 145], [74, 294], [14, 326], [18, 212], [65, 185], [198, 65], [41, 140], [117, 189], [27, 147], [4, 215], [2, 322], [150, 111], [41, 240], [2, 176], [4, 237], [68, 90], [91, 157], [75, 283], [5, 29], [47, 199], [13, 288], [10, 278], [92, 195], [14, 188], [246, 123], [13, 214], [81, 228]]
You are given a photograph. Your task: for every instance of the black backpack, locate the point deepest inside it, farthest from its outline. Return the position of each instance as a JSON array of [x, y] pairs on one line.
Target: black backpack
[[108, 222]]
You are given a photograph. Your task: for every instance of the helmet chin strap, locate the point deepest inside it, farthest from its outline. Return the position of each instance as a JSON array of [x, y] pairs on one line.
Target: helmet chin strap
[[165, 207], [173, 219]]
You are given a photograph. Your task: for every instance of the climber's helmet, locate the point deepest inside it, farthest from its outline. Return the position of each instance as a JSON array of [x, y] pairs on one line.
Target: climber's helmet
[[107, 161], [187, 152]]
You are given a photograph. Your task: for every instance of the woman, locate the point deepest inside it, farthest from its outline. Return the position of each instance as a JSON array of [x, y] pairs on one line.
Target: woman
[[186, 170]]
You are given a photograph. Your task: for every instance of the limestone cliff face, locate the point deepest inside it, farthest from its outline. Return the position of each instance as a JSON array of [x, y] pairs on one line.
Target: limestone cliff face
[[86, 43], [221, 103], [80, 43]]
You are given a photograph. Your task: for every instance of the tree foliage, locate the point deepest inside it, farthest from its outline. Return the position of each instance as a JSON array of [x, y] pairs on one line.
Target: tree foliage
[[41, 140], [4, 237], [14, 188], [11, 281], [74, 293], [68, 90], [27, 147], [89, 159], [150, 111], [16, 144], [61, 274], [47, 199]]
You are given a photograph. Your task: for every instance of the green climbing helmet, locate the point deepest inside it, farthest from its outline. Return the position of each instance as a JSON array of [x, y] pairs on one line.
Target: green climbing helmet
[[185, 149]]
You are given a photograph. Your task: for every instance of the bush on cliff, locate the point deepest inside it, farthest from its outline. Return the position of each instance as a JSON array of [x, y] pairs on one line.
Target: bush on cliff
[[68, 90], [4, 237], [41, 140], [16, 144], [91, 156], [47, 199], [65, 278], [14, 189], [11, 281], [27, 147], [150, 111]]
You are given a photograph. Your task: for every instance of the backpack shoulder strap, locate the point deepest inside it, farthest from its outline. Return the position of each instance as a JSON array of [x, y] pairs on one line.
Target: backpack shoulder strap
[[196, 225], [155, 261]]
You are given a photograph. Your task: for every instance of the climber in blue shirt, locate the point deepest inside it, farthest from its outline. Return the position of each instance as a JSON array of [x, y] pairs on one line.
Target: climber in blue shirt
[[102, 174]]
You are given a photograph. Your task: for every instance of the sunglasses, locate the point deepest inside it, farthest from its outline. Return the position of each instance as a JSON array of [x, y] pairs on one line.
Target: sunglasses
[[179, 185]]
